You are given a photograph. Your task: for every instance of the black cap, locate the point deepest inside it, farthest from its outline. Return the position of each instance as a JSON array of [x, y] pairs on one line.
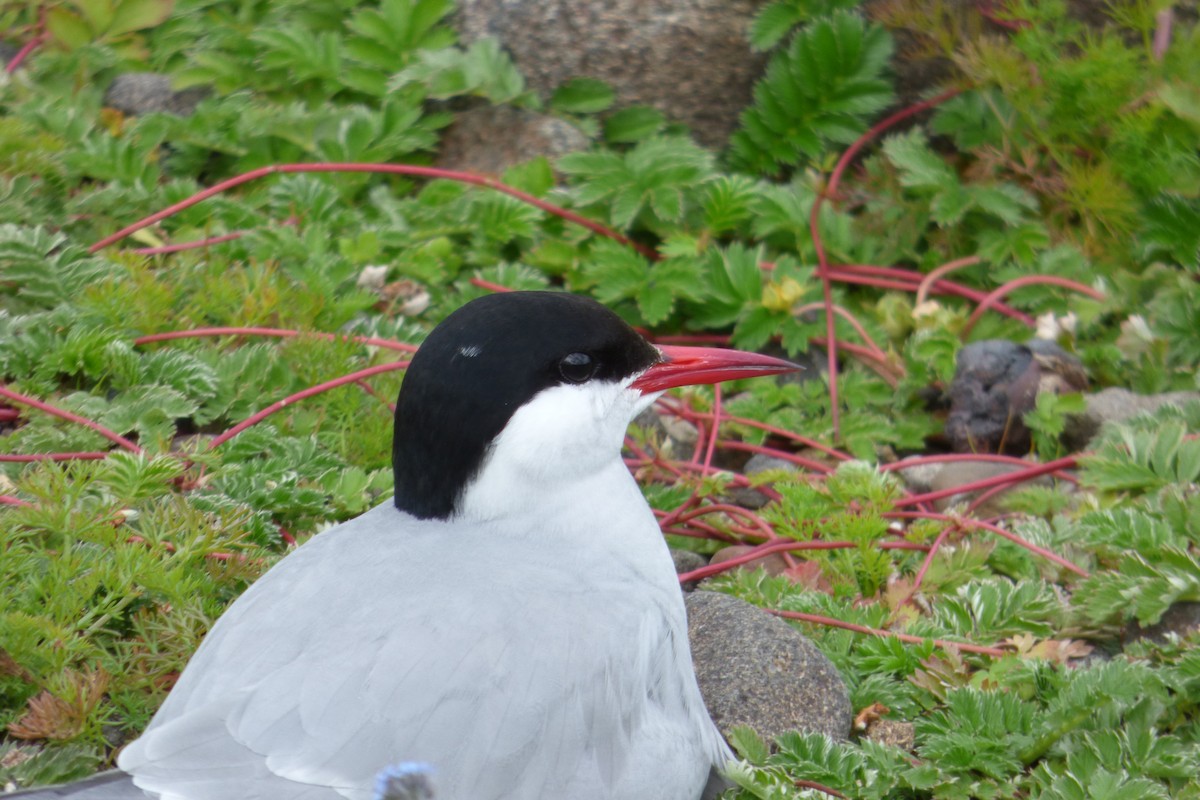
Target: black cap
[[479, 366]]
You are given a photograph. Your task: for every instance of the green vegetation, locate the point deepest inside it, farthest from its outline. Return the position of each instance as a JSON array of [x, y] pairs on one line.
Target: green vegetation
[[1062, 159]]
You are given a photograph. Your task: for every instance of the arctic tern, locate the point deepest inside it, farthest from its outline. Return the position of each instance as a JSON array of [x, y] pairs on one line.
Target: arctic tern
[[511, 617]]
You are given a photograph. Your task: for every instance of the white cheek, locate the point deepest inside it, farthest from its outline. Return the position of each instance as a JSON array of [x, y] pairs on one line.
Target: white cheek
[[564, 435]]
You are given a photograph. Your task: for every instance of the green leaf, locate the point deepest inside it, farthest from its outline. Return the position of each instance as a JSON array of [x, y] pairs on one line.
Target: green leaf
[[582, 96], [655, 302], [98, 13], [774, 22], [633, 124], [1183, 100], [919, 166], [136, 15], [748, 745], [817, 92], [68, 29]]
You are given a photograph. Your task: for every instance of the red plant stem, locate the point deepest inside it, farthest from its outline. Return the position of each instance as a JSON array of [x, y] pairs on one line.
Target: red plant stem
[[984, 496], [937, 543], [850, 318], [281, 333], [182, 246], [29, 459], [945, 269], [986, 483], [818, 619], [388, 169], [737, 479], [910, 280], [882, 368], [369, 389], [820, 787], [764, 529], [650, 460], [491, 287], [716, 426], [254, 419], [946, 458], [1027, 280], [67, 415], [692, 414], [800, 461], [1012, 537], [1162, 32], [33, 44], [835, 407], [785, 546], [835, 177], [823, 266], [9, 500]]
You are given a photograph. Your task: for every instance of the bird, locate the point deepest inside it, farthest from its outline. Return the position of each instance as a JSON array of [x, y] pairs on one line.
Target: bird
[[511, 617]]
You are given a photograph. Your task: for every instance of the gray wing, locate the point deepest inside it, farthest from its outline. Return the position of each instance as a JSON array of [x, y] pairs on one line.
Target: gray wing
[[345, 659]]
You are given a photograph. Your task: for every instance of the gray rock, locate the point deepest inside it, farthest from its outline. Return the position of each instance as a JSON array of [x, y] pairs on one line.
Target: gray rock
[[750, 498], [760, 462], [918, 479], [688, 58], [1117, 405], [686, 561], [755, 669], [960, 473], [996, 382], [490, 139], [136, 93]]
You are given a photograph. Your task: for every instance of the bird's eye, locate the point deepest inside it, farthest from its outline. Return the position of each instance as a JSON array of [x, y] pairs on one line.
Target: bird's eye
[[577, 367]]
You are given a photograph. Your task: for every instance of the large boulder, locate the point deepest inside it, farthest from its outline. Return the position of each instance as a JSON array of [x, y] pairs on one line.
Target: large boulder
[[688, 58]]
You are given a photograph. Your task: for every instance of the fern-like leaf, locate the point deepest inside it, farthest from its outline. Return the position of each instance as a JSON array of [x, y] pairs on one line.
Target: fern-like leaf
[[818, 92]]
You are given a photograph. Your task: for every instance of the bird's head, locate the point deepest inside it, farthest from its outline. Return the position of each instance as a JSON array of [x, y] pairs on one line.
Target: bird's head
[[542, 384]]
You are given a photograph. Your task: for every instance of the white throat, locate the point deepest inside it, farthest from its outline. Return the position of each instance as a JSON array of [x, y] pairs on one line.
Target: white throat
[[557, 452]]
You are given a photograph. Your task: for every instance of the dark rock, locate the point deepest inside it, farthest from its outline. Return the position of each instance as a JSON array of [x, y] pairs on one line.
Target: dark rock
[[136, 93], [997, 381], [1181, 619], [490, 139], [8, 51], [1117, 405], [755, 669], [688, 58], [686, 561]]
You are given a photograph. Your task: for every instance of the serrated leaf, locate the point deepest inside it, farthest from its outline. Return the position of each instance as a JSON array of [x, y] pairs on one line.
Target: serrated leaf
[[919, 166], [655, 302], [950, 204], [816, 92], [633, 124], [1010, 203], [583, 96]]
